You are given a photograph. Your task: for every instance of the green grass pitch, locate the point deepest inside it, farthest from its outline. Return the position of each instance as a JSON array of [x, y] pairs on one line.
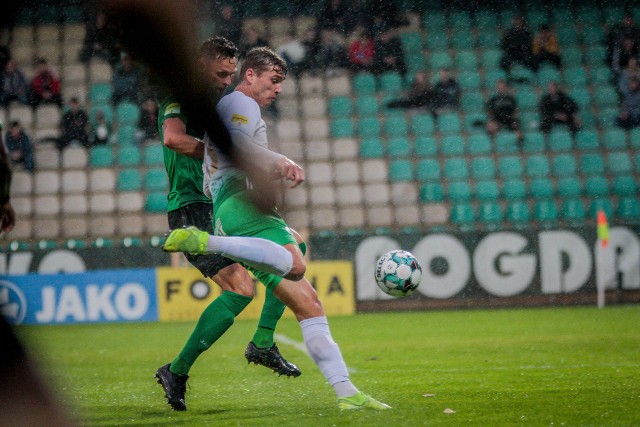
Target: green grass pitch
[[549, 366]]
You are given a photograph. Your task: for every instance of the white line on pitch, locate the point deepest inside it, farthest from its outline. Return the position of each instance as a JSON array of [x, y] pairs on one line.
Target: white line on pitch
[[300, 346]]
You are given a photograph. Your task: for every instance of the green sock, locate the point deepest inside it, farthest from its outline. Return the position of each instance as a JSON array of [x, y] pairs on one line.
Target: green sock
[[271, 312], [213, 322]]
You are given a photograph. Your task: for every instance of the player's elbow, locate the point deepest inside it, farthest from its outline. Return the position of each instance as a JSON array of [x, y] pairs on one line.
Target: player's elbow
[[298, 269]]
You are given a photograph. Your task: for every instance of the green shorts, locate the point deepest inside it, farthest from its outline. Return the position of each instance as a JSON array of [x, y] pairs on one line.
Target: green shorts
[[238, 216]]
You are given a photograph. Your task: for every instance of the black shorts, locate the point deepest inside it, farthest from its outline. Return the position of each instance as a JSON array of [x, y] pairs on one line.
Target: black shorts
[[199, 215]]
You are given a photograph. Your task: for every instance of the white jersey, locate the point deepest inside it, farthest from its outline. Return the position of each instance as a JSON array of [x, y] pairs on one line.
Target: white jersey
[[242, 117]]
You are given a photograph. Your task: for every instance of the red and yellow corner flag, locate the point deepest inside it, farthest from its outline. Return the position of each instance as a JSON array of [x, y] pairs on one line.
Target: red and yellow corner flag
[[603, 228]]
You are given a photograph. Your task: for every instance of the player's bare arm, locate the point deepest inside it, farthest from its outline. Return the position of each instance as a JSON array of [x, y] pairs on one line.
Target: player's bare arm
[[176, 138], [289, 170]]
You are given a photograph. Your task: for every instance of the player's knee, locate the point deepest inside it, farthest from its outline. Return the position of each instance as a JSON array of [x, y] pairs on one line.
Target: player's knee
[[236, 279]]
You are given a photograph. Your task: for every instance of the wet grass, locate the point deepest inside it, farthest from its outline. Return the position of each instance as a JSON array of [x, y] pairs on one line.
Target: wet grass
[[560, 366]]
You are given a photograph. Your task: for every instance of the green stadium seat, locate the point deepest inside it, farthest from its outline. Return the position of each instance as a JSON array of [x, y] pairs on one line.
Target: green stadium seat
[[545, 212], [601, 204], [533, 142], [592, 164], [456, 168], [575, 77], [588, 119], [449, 123], [416, 62], [560, 140], [426, 146], [487, 190], [537, 166], [396, 126], [571, 56], [431, 192], [126, 135], [596, 186], [342, 128], [340, 107], [129, 156], [587, 140], [636, 162], [391, 83], [606, 96], [573, 211], [428, 170], [548, 74], [462, 215], [399, 147], [619, 163], [367, 106], [491, 77], [595, 55], [537, 17], [462, 39], [364, 84], [459, 191], [155, 179], [129, 180], [156, 202], [507, 142], [634, 137], [581, 96], [100, 93], [514, 189], [460, 21], [472, 102], [440, 60], [479, 144], [486, 19], [607, 117], [541, 188], [564, 165], [452, 146], [127, 114], [491, 58], [569, 187], [628, 209], [490, 215], [437, 41], [101, 156], [400, 170], [624, 185], [518, 214], [593, 36], [483, 167], [530, 121], [527, 100], [589, 15], [369, 127], [411, 42], [371, 148], [422, 125], [510, 167], [522, 76], [466, 60], [153, 154], [614, 139], [601, 75]]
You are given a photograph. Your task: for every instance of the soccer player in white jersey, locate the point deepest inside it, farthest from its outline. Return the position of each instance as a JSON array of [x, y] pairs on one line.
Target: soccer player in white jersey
[[262, 241]]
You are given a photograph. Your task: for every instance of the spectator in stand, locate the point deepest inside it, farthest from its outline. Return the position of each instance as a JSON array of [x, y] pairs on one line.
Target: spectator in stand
[[382, 16], [630, 112], [331, 55], [148, 123], [127, 80], [502, 109], [622, 53], [229, 24], [625, 28], [45, 86], [100, 41], [632, 70], [19, 147], [293, 52], [14, 85], [420, 96], [251, 39], [311, 48], [546, 48], [362, 52], [446, 93], [5, 56], [516, 46], [74, 126], [100, 129], [388, 54], [556, 107], [336, 16]]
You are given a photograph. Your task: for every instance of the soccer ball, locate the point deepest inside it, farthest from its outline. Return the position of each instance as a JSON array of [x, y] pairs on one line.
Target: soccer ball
[[398, 273]]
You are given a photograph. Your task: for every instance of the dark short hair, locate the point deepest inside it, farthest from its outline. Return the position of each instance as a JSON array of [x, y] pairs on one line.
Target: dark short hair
[[218, 47], [262, 59], [14, 124]]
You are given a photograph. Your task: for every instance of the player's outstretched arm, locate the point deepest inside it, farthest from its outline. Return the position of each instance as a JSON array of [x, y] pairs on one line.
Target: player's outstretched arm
[[175, 137], [289, 170]]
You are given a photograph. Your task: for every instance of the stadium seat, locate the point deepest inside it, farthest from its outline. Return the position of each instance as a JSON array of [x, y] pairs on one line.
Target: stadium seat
[[527, 100], [459, 191], [619, 163], [342, 128], [466, 60], [426, 146], [428, 170], [533, 142], [399, 147], [391, 83], [100, 93], [155, 179], [628, 209], [624, 185], [530, 121], [506, 142], [437, 40], [479, 144], [396, 126], [400, 170], [490, 215], [129, 156], [606, 96], [575, 77], [101, 156], [601, 75], [106, 110], [472, 102], [462, 215], [569, 187], [449, 123], [601, 204], [518, 214], [364, 84], [411, 42], [439, 60], [635, 138], [456, 168], [491, 58], [422, 125], [153, 154], [514, 189], [571, 56], [523, 78], [541, 188], [371, 148], [595, 55], [487, 190], [564, 165], [573, 211], [587, 140], [491, 77], [127, 114], [129, 180], [340, 107], [545, 213], [596, 186], [592, 164], [431, 193], [368, 127], [367, 106], [547, 74], [462, 39], [126, 135], [510, 167], [560, 140], [156, 202], [483, 167], [614, 139], [452, 146]]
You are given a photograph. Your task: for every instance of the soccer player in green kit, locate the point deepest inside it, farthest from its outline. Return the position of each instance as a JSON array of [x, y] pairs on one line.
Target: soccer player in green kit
[[188, 205], [262, 240]]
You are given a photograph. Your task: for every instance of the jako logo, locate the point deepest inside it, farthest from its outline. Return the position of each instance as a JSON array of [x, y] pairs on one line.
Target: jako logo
[[13, 304]]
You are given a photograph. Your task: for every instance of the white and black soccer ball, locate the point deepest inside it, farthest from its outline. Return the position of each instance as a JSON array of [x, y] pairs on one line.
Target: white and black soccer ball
[[398, 273]]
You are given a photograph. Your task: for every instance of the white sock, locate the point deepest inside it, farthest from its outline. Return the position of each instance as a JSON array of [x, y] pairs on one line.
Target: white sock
[[261, 254], [326, 354]]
